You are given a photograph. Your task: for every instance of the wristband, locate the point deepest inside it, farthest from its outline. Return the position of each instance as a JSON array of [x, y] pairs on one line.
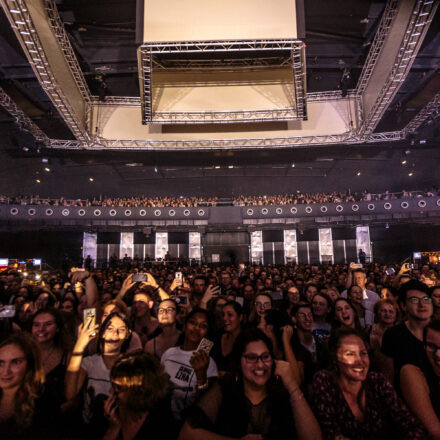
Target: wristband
[[296, 399], [77, 353]]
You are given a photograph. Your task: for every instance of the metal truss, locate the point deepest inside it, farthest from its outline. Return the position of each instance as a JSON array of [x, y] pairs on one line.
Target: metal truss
[[223, 64], [21, 118], [420, 20], [432, 109], [223, 46], [147, 56], [21, 22], [376, 47], [66, 47], [225, 144]]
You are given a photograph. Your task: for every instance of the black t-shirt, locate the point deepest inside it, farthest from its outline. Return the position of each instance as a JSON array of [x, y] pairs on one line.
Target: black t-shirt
[[400, 344]]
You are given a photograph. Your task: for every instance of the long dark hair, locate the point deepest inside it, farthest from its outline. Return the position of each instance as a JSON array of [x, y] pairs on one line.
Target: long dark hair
[[103, 328]]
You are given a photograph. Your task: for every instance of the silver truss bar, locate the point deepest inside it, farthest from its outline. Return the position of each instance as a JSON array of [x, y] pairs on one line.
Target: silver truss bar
[[145, 65], [225, 144], [225, 117], [66, 47], [378, 42], [221, 64], [420, 20], [299, 73], [222, 46], [21, 118], [135, 101], [22, 24], [432, 109], [146, 54]]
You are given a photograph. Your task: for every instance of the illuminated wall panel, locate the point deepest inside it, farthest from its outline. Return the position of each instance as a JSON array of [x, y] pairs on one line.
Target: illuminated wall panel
[[161, 244], [194, 246], [363, 241], [127, 244], [290, 246], [90, 246], [257, 247], [325, 245]]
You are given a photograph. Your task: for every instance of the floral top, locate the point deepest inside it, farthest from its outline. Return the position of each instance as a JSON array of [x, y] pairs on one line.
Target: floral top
[[386, 416]]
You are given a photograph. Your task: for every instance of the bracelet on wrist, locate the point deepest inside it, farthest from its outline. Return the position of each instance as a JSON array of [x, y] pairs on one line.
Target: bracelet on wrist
[[77, 353], [296, 399]]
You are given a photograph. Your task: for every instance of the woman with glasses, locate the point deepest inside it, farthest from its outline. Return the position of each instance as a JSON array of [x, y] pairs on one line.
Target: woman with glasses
[[420, 385], [263, 303], [166, 312], [94, 371], [138, 407], [260, 399], [352, 402], [189, 368]]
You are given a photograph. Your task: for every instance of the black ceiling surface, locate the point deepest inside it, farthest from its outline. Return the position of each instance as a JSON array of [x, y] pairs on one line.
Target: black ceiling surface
[[102, 33]]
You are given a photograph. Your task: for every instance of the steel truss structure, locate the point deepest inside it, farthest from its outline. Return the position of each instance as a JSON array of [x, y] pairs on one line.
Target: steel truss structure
[[23, 121], [377, 45], [431, 110], [149, 59], [418, 25], [22, 24], [225, 144]]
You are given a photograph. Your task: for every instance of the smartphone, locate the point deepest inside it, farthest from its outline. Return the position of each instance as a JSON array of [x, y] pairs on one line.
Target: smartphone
[[139, 277], [241, 266], [276, 296], [239, 300], [7, 312], [205, 345], [182, 299], [357, 266], [411, 266], [89, 318], [179, 278], [390, 271]]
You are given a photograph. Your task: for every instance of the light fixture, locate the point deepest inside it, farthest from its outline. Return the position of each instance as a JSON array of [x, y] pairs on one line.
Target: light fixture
[[293, 165], [410, 174], [155, 169], [404, 161], [47, 169], [231, 166], [44, 160], [38, 180], [217, 167], [91, 179], [358, 173]]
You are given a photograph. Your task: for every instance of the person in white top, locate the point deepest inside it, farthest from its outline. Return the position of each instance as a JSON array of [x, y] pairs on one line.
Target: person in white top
[[189, 370]]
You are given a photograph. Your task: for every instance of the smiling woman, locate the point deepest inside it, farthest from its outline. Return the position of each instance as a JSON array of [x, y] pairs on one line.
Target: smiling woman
[[251, 402], [352, 402]]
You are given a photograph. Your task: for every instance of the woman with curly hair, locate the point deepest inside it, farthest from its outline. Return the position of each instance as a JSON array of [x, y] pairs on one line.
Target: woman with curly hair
[[24, 411], [139, 406]]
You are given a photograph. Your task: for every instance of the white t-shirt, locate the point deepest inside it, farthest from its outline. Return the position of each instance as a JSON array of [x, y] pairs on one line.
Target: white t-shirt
[[98, 382], [183, 378]]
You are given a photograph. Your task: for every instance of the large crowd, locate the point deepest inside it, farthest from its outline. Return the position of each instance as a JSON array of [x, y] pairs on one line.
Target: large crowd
[[304, 352], [278, 199]]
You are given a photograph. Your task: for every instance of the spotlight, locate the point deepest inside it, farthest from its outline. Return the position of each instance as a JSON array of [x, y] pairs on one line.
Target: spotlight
[[25, 149], [404, 161], [387, 226], [44, 160], [293, 165], [38, 180], [358, 173], [91, 179], [410, 174], [47, 169]]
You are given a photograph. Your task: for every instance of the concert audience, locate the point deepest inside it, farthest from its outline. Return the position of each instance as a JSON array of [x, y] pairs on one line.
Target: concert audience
[[297, 198], [127, 394]]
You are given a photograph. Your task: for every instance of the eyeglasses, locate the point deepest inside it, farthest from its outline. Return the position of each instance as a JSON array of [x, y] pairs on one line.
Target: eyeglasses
[[432, 348], [417, 300], [265, 305], [166, 311], [252, 358], [305, 315]]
